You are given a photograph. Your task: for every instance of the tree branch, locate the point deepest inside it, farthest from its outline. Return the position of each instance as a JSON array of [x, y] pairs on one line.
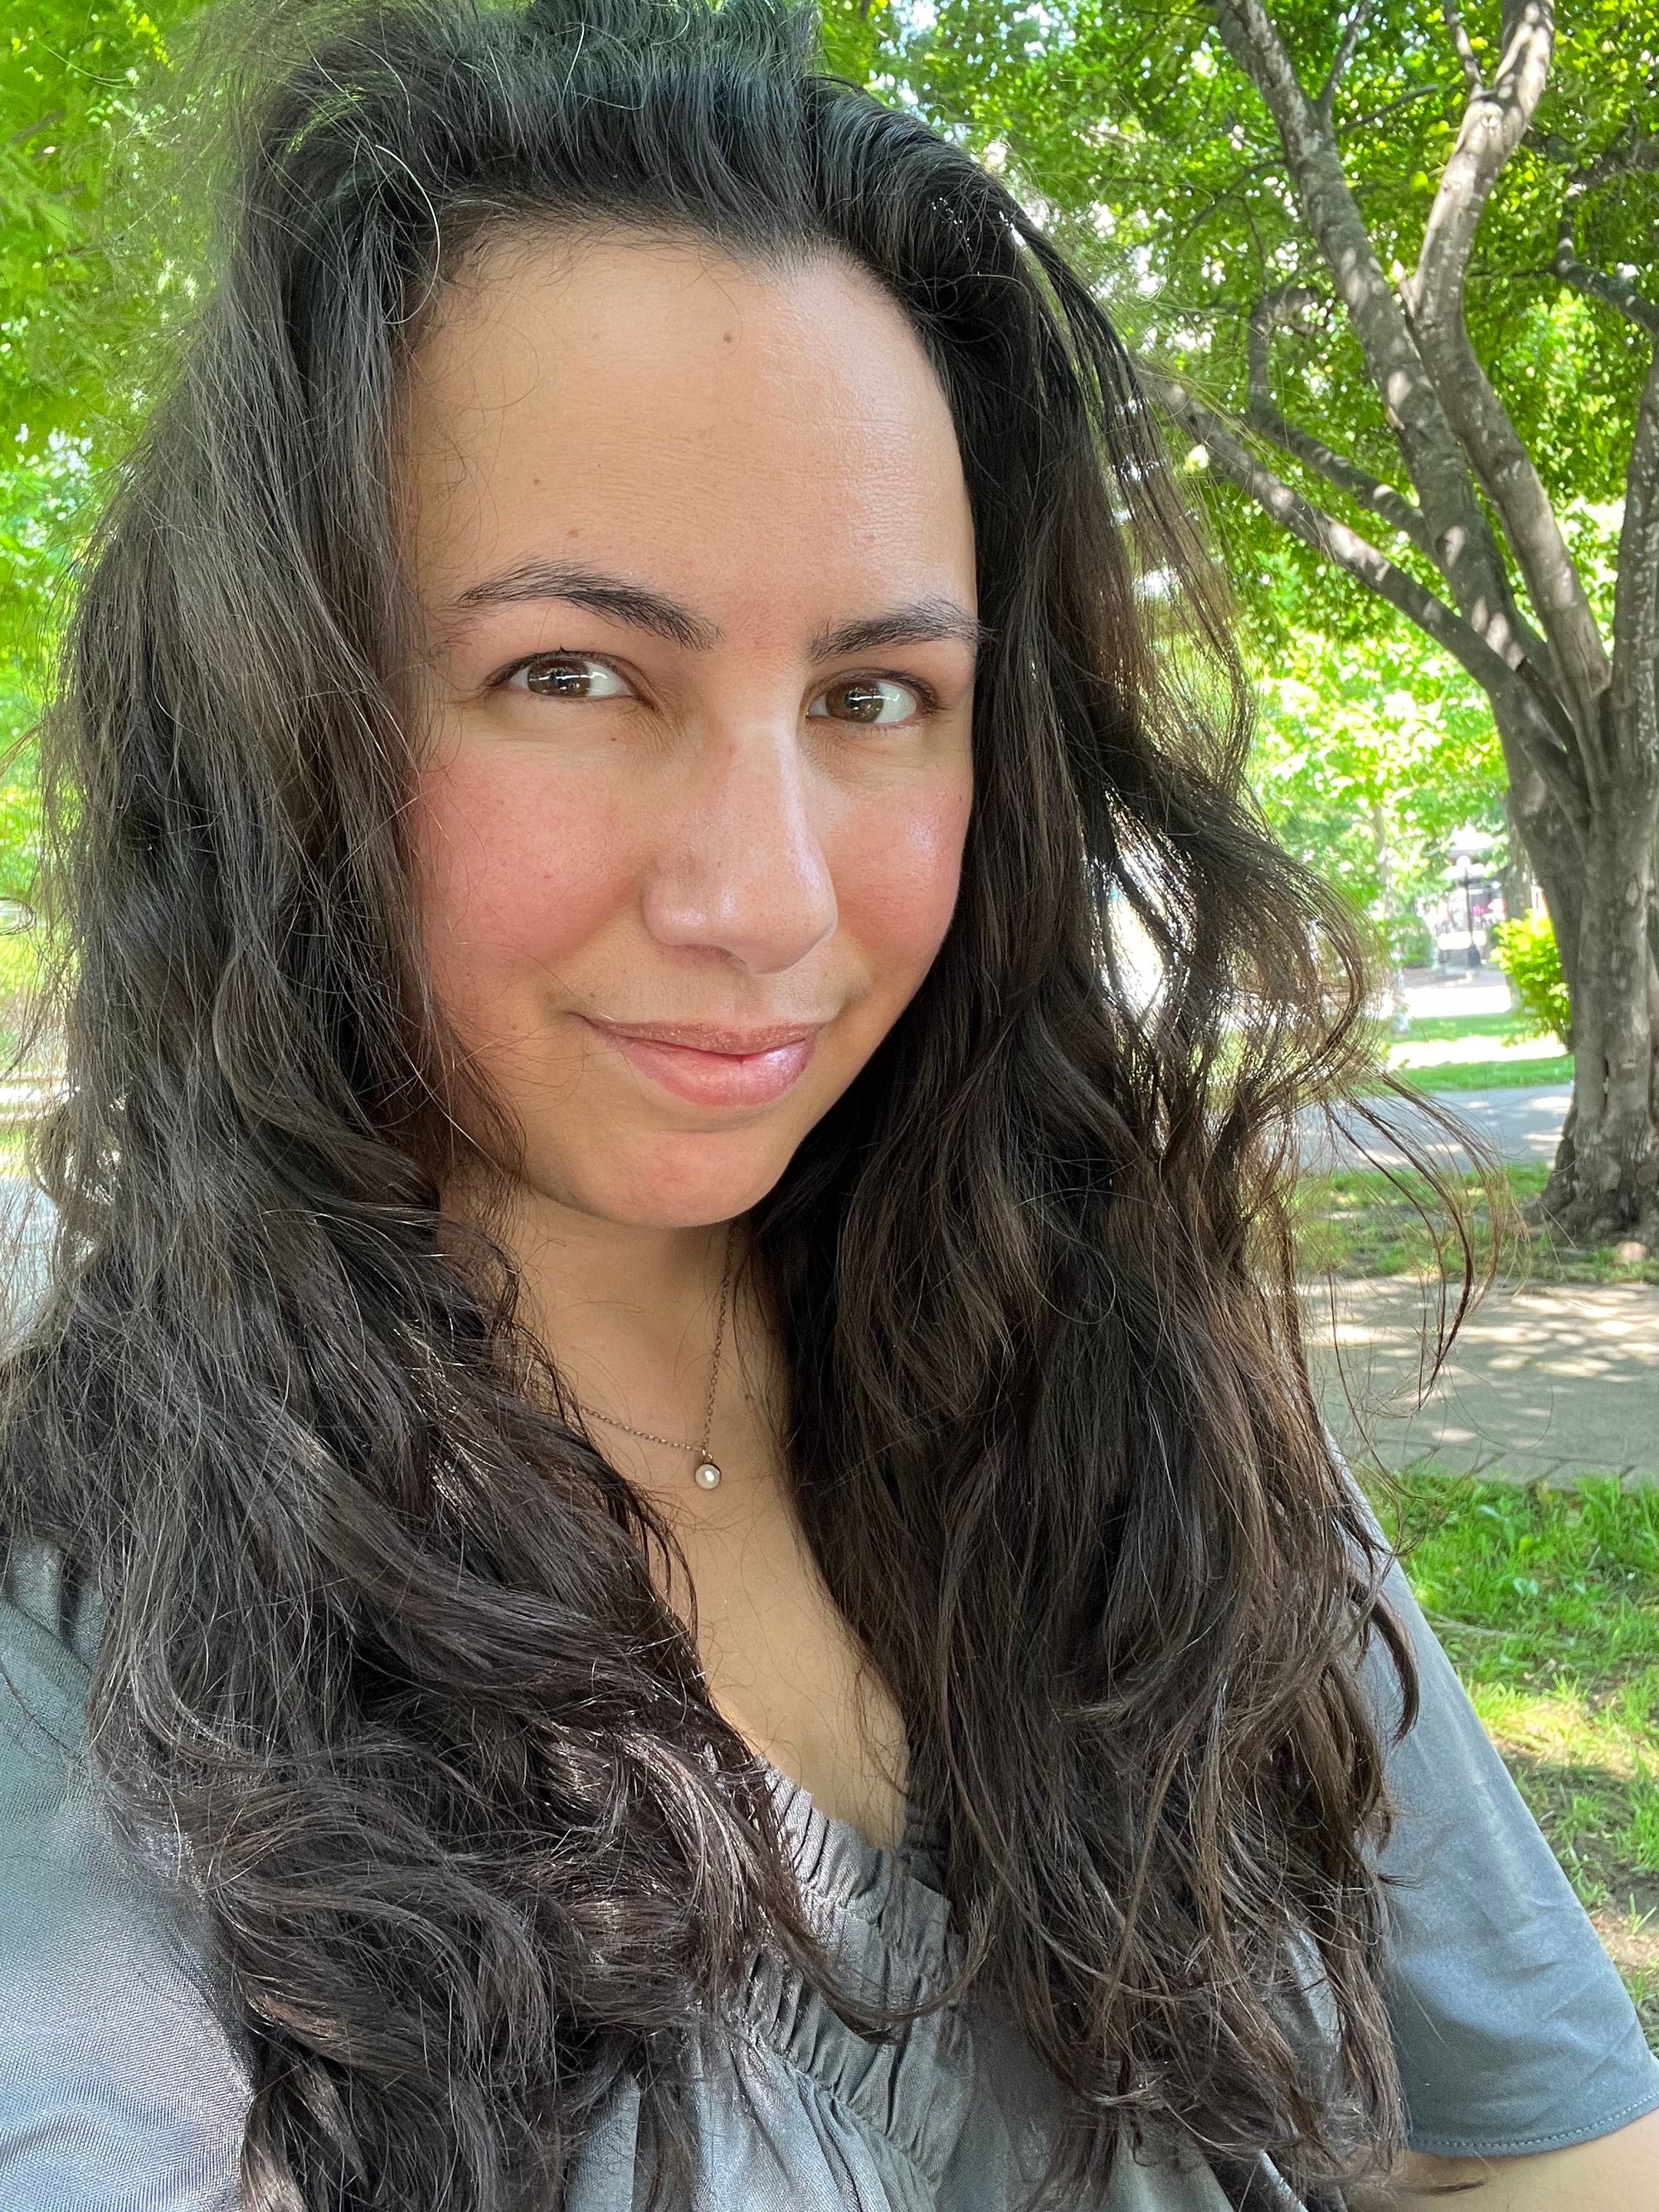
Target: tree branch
[[1466, 551], [1629, 154], [1344, 55], [1495, 121], [46, 122], [1601, 284], [1247, 176], [1459, 39], [1598, 284], [1498, 675], [1286, 307], [1376, 115]]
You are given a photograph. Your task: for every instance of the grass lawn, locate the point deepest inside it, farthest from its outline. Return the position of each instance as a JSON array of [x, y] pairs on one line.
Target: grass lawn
[[1477, 1052], [1516, 1072], [1449, 1028], [1548, 1602], [1359, 1221]]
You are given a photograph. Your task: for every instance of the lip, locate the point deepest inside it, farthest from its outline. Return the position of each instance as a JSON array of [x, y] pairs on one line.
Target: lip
[[713, 1036], [770, 1061]]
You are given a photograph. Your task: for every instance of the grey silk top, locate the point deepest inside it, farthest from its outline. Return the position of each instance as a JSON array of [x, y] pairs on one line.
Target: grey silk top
[[123, 2082]]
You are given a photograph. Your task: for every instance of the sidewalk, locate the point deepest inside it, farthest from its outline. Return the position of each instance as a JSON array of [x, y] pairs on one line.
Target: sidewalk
[[1439, 992], [1550, 1381], [1520, 1125]]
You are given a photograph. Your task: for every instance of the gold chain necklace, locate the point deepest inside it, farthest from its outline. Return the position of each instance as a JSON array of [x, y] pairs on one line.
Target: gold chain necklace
[[706, 1474]]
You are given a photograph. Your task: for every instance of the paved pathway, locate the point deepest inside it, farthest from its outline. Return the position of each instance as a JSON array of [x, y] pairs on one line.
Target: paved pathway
[[1548, 1381], [1443, 991], [1519, 1125], [1545, 1381]]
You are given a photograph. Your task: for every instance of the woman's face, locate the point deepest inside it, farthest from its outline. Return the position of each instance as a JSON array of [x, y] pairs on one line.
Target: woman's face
[[694, 551]]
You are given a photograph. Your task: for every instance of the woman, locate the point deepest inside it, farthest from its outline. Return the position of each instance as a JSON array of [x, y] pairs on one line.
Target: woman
[[667, 1445]]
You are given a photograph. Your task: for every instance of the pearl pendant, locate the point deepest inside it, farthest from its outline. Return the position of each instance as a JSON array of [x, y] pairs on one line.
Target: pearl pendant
[[708, 1475]]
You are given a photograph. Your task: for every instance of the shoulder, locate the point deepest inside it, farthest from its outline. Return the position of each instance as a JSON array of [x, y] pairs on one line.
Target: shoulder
[[116, 2065], [1514, 2031]]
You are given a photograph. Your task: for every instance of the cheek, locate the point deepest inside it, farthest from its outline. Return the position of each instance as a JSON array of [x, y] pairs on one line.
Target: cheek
[[899, 872], [513, 878]]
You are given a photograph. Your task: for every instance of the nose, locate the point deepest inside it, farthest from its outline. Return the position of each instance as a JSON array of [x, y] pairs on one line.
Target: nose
[[741, 869]]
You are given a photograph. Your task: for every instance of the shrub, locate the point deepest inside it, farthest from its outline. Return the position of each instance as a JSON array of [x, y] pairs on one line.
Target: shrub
[[1527, 952]]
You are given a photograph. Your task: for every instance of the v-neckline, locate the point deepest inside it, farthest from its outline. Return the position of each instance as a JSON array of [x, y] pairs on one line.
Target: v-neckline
[[917, 1856]]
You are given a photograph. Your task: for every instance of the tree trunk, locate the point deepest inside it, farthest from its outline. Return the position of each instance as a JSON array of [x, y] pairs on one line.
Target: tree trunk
[[1518, 877], [1554, 846], [1605, 1185]]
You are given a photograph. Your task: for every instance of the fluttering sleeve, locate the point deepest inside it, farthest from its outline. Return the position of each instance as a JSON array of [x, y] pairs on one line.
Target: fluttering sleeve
[[1513, 2029]]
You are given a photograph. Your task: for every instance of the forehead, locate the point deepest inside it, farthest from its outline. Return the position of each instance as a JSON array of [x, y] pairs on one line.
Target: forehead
[[776, 429]]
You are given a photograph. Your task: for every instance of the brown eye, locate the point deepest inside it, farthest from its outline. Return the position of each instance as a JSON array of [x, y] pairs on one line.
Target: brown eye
[[863, 696], [566, 676]]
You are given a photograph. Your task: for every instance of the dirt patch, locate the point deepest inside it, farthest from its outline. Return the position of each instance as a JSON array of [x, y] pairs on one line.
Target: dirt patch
[[1629, 1926]]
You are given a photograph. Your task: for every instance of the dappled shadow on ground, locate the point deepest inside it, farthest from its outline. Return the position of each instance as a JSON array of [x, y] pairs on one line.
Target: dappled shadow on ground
[[1521, 1124], [1541, 1381]]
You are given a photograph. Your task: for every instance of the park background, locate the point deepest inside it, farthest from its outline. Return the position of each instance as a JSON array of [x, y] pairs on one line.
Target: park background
[[1391, 276]]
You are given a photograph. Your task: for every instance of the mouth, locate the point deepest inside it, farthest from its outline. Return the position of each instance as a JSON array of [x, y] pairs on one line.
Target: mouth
[[710, 1065]]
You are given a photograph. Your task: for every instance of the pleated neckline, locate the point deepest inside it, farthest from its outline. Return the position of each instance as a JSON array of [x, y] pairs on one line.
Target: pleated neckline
[[917, 1858]]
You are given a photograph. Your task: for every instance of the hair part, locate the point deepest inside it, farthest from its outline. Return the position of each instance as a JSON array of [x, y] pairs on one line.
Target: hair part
[[386, 1651]]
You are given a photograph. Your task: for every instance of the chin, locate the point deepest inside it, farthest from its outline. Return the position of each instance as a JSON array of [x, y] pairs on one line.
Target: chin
[[677, 1183]]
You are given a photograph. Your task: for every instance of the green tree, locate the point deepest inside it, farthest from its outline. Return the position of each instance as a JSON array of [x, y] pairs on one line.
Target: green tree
[[1369, 755], [1393, 274], [77, 98]]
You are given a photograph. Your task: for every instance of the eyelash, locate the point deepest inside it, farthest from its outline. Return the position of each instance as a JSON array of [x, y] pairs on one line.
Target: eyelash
[[924, 692]]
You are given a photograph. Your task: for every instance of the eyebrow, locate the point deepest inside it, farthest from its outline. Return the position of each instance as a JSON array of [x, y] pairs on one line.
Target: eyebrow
[[916, 623]]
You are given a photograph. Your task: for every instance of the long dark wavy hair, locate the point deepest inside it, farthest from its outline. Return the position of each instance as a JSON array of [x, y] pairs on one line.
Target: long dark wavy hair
[[385, 1650]]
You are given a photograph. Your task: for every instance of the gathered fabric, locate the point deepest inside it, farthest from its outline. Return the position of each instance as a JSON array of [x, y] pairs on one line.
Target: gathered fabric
[[795, 2110], [125, 2083]]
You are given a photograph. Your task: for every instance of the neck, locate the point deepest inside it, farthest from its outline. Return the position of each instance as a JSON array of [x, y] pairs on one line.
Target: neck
[[628, 1310]]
